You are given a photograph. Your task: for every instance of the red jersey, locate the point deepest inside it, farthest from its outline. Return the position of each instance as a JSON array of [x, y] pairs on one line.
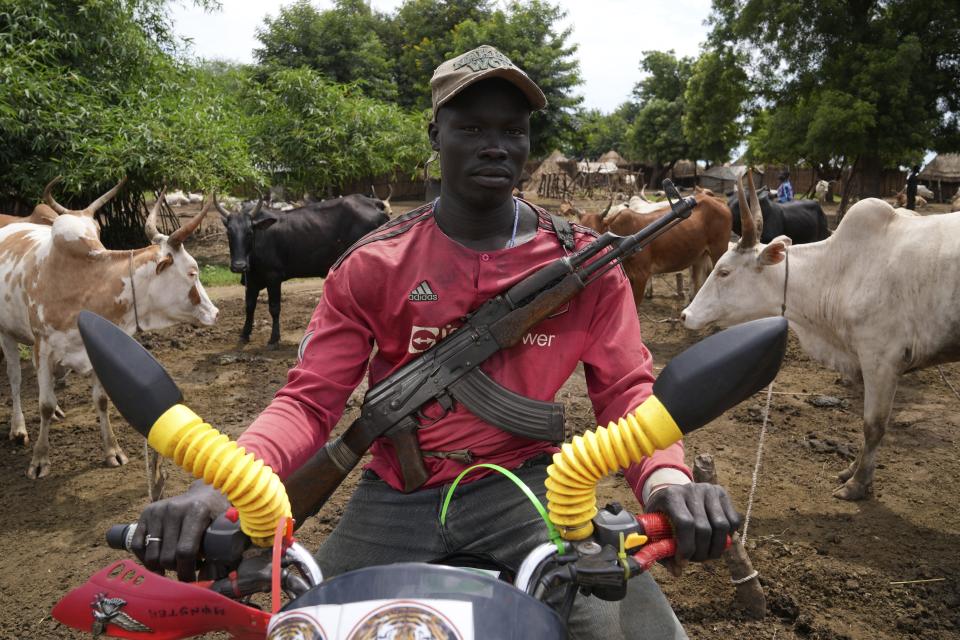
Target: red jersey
[[406, 286]]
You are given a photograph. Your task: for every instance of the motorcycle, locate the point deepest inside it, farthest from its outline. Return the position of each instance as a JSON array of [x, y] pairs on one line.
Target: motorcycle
[[251, 549]]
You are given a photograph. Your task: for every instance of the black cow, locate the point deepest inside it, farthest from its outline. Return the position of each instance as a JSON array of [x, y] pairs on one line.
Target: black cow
[[800, 220], [269, 246]]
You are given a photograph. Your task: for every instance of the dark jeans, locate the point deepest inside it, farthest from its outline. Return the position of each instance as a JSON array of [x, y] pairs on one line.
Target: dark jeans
[[381, 525]]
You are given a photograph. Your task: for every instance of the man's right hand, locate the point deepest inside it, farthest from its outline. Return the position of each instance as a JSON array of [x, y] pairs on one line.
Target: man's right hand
[[178, 523]]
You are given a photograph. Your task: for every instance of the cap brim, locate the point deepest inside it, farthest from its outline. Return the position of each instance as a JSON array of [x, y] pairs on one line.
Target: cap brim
[[514, 76]]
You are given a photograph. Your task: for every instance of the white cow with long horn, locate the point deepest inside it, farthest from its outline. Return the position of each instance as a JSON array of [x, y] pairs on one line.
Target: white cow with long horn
[[880, 297], [49, 274]]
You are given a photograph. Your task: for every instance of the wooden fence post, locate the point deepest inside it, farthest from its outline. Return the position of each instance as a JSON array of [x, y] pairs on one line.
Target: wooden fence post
[[750, 594]]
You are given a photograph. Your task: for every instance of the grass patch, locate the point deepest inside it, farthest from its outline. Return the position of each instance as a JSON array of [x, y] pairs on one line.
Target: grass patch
[[215, 275], [25, 352]]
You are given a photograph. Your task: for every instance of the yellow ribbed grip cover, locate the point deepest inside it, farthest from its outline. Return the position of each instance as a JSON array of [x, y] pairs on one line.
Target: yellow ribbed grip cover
[[572, 478], [251, 486]]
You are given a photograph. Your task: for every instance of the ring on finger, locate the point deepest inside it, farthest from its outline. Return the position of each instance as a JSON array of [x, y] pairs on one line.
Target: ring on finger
[[152, 539]]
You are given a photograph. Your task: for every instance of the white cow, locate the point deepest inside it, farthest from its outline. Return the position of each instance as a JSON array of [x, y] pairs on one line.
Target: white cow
[[821, 190], [177, 198], [49, 274], [880, 297]]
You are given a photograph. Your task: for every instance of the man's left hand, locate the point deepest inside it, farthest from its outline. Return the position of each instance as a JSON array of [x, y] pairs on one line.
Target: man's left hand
[[702, 517]]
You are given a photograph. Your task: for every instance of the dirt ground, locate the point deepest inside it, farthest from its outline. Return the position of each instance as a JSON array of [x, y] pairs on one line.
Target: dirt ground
[[828, 567]]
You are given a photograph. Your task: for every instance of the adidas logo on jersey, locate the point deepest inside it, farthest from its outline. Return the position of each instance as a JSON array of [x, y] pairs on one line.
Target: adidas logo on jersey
[[423, 293]]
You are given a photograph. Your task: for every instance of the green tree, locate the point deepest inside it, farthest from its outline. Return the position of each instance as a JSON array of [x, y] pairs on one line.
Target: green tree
[[420, 41], [597, 132], [875, 82], [342, 43], [657, 135], [96, 89], [312, 135], [713, 103]]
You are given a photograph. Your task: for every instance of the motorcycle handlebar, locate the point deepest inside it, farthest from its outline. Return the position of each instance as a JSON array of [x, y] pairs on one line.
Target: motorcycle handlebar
[[120, 536], [223, 542]]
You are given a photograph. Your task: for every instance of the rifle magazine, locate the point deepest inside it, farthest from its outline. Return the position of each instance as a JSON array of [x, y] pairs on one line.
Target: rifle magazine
[[512, 412]]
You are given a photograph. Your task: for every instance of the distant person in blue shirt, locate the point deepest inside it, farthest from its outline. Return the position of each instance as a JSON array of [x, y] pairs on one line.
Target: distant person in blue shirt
[[785, 190]]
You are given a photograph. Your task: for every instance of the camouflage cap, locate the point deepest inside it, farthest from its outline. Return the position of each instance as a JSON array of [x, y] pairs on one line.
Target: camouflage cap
[[456, 74]]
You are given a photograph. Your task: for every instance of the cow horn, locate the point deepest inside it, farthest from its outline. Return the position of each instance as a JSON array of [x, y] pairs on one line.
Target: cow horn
[[748, 231], [177, 237], [48, 192], [373, 192], [104, 199], [256, 209], [223, 211], [642, 195], [48, 197], [755, 209], [389, 192], [150, 225], [607, 210]]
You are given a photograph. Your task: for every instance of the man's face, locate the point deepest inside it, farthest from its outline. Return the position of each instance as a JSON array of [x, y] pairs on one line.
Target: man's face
[[483, 139]]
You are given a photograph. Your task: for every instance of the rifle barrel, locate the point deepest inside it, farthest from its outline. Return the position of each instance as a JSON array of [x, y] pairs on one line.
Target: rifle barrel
[[626, 245]]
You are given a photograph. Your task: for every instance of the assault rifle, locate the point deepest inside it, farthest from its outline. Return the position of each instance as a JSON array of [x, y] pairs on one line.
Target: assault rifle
[[450, 369]]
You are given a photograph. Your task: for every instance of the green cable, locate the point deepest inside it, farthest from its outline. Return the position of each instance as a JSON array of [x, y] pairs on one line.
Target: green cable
[[551, 530], [622, 557]]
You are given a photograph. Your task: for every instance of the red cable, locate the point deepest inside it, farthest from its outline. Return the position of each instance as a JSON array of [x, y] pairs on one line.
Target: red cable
[[280, 539]]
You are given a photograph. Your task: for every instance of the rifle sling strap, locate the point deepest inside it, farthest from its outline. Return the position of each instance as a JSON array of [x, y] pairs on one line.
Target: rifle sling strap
[[561, 227]]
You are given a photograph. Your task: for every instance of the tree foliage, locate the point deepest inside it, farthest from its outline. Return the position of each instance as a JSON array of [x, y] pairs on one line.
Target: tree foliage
[[597, 133], [877, 80], [393, 57], [419, 36], [92, 90], [657, 131], [713, 103], [341, 43], [97, 89], [313, 135]]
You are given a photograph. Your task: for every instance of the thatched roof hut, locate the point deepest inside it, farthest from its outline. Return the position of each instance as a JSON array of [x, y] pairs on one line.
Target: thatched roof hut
[[612, 156], [942, 175], [721, 178], [548, 166], [684, 169], [944, 167]]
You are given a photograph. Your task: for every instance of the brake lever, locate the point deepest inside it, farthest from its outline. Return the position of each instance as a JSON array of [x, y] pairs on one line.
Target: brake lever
[[253, 575]]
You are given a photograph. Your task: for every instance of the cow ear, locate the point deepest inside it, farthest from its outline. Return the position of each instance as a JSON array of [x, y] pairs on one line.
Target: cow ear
[[263, 221], [775, 252], [165, 262]]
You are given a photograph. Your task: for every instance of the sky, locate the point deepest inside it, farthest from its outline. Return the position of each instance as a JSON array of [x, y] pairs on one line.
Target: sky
[[611, 35]]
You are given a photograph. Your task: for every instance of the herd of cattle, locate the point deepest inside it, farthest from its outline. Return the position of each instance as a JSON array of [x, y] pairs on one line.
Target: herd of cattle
[[873, 300]]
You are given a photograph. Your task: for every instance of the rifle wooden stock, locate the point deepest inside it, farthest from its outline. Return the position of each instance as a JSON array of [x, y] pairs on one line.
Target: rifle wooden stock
[[510, 330], [411, 459]]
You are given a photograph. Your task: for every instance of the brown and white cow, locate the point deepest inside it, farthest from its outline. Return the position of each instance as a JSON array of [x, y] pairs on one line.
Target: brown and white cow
[[696, 243], [48, 274], [878, 298]]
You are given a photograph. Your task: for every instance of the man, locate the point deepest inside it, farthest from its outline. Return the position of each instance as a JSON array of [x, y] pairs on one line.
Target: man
[[785, 190], [405, 286], [912, 181]]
